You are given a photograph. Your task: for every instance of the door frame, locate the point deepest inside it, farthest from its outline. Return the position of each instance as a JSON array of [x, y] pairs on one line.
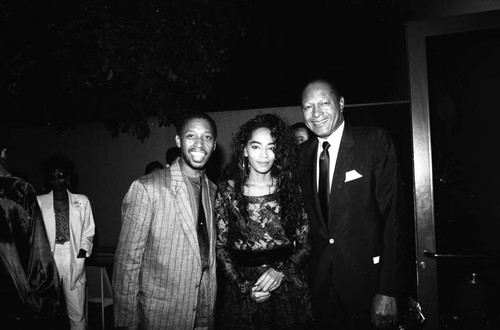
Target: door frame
[[417, 32]]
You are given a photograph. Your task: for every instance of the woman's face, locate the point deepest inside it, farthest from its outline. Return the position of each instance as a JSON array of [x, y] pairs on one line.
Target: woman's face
[[260, 151], [59, 179]]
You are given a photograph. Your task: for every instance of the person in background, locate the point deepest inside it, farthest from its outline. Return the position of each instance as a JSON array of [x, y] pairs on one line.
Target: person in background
[[301, 132], [30, 288], [70, 230], [263, 233], [153, 166], [164, 272], [358, 223], [171, 155]]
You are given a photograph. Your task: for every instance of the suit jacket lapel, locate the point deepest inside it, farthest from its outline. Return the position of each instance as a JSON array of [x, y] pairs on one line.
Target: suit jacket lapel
[[74, 218], [47, 209], [344, 164], [210, 190], [184, 209]]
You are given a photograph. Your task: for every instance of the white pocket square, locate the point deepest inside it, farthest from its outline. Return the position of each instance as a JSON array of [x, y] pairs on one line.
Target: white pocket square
[[352, 175]]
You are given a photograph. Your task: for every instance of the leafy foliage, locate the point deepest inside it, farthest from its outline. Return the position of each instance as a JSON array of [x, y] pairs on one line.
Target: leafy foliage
[[119, 62]]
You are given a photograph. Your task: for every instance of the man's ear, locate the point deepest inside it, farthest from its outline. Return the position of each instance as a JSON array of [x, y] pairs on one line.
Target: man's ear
[[177, 141], [215, 145], [341, 103]]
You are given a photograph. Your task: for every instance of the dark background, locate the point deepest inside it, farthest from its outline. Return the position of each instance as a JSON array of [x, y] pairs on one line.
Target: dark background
[[121, 62]]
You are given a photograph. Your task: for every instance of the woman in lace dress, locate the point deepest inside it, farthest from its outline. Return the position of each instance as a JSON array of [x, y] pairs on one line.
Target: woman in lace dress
[[263, 234]]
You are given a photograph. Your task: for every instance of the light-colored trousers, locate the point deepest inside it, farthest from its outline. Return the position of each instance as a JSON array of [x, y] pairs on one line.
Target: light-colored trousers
[[75, 299]]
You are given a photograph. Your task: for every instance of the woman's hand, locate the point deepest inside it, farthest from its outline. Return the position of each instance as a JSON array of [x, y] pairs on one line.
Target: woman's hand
[[259, 296], [269, 281]]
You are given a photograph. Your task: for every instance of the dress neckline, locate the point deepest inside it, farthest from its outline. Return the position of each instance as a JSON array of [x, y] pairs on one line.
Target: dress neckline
[[261, 197]]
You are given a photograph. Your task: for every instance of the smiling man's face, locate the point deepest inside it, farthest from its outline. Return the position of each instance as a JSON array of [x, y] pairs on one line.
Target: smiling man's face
[[321, 109], [197, 142]]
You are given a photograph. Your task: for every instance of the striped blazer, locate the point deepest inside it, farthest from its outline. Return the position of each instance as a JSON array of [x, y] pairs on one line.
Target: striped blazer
[[157, 271]]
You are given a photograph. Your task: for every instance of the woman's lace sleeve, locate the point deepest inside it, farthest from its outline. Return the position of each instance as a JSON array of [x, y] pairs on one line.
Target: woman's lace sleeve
[[302, 241], [302, 249], [222, 210]]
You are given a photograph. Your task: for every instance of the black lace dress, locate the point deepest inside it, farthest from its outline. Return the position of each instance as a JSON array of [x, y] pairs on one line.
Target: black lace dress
[[289, 305]]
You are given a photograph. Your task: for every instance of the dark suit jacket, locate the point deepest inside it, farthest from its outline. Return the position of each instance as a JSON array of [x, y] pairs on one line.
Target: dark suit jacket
[[358, 251], [29, 282]]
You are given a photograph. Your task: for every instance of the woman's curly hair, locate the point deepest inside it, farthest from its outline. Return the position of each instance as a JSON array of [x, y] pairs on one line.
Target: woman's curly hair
[[285, 168]]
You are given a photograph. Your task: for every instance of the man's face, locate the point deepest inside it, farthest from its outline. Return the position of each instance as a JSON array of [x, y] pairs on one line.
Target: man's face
[[59, 180], [322, 111], [301, 135], [197, 143]]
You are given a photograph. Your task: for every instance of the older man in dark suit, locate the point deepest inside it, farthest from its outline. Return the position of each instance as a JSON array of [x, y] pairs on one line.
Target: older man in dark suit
[[353, 200]]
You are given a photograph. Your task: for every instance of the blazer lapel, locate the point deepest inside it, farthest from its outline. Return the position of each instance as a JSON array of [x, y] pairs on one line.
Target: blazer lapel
[[344, 163], [208, 204], [75, 222], [49, 217], [183, 208]]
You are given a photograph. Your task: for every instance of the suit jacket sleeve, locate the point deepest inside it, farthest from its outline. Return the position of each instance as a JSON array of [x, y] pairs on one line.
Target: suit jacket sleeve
[[136, 219], [88, 230], [390, 203]]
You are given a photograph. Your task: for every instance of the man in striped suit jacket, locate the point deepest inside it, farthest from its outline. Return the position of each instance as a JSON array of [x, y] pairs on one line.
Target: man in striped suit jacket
[[164, 275]]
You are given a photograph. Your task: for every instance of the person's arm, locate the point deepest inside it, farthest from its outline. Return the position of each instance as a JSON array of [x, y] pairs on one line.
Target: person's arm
[[88, 231], [223, 202], [302, 241], [389, 199], [286, 270], [137, 214]]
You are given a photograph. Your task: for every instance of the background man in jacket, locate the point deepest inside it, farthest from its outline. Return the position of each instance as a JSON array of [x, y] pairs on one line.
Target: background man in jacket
[[29, 282], [70, 230]]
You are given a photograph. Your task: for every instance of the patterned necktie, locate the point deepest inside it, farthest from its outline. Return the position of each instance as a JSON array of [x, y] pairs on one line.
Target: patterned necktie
[[324, 180], [202, 231]]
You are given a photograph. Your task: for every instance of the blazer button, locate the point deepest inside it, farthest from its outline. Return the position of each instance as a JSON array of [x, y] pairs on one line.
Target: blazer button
[[331, 241]]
